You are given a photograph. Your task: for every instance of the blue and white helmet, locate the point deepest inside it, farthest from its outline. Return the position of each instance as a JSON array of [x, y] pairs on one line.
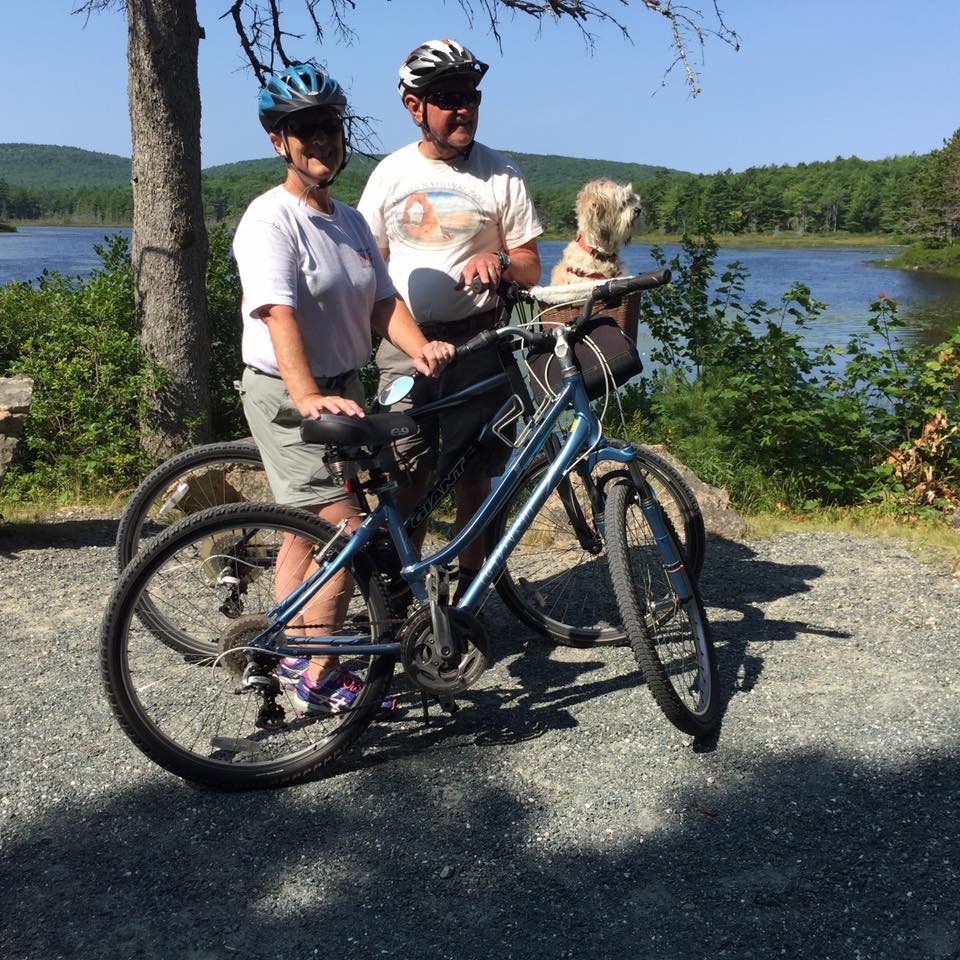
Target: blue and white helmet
[[436, 60], [299, 87]]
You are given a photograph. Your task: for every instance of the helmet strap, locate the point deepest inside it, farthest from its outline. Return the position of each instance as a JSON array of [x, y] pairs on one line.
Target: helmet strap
[[461, 153], [311, 183]]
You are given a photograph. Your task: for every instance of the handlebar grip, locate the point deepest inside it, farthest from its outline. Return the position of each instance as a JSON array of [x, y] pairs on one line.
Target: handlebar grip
[[620, 287], [479, 342]]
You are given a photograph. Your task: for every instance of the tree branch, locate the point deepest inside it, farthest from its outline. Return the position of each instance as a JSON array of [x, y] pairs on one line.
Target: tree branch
[[262, 35]]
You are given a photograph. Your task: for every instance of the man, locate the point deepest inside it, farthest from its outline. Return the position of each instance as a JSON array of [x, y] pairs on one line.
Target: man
[[445, 211]]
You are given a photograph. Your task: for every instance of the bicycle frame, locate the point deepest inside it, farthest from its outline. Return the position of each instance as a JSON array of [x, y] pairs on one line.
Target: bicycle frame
[[584, 434]]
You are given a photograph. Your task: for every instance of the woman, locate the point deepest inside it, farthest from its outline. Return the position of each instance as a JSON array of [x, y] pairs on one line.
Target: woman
[[314, 285]]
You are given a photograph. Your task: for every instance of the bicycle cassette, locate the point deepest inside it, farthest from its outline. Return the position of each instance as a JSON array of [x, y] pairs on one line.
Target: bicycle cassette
[[231, 647], [443, 668]]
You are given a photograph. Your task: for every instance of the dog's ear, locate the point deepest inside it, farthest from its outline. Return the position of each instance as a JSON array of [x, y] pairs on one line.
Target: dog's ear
[[602, 217]]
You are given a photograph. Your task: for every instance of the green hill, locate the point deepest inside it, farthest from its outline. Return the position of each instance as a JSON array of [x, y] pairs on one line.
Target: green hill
[[42, 166], [541, 171]]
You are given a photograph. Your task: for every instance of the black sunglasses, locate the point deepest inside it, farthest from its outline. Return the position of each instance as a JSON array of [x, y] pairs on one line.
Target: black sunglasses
[[455, 99], [306, 129]]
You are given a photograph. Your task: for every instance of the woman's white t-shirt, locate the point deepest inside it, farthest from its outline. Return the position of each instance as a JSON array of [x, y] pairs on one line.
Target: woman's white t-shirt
[[325, 266]]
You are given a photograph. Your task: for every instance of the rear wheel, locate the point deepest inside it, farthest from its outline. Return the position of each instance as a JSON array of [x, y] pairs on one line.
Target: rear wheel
[[669, 635], [218, 707], [556, 579], [208, 476]]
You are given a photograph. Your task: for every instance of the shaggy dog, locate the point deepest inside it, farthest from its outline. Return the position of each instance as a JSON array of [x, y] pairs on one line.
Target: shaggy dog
[[606, 212]]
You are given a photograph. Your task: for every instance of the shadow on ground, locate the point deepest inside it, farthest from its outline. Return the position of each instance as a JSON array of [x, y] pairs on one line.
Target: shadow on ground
[[810, 857]]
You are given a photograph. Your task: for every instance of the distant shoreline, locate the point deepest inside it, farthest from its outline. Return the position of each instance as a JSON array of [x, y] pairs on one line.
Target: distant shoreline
[[729, 240]]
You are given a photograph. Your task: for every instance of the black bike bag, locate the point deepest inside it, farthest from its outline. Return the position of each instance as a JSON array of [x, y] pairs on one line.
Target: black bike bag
[[604, 355]]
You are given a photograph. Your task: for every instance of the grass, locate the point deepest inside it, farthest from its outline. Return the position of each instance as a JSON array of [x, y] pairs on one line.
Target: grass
[[51, 508], [930, 541], [943, 261], [767, 239], [784, 239]]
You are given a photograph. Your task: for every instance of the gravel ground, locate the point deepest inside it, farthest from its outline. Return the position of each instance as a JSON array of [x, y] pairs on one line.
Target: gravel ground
[[557, 815]]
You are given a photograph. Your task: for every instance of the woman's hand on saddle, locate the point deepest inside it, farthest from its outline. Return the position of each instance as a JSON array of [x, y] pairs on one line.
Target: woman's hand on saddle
[[313, 404], [433, 357]]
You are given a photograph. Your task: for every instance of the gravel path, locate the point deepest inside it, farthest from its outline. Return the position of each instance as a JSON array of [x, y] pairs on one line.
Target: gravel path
[[558, 815]]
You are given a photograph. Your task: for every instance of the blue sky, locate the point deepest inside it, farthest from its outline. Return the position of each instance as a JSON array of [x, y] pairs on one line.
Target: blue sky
[[813, 80]]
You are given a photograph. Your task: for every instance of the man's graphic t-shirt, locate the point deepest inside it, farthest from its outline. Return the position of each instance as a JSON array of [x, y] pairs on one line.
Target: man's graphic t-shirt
[[434, 215]]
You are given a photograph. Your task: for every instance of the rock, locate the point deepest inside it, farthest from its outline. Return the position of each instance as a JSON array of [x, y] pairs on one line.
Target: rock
[[15, 394], [955, 520], [719, 518]]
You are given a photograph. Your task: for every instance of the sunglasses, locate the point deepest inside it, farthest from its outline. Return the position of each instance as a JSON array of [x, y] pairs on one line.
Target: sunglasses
[[324, 127], [455, 99]]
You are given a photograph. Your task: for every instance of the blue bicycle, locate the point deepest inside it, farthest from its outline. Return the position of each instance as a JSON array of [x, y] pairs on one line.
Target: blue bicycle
[[214, 703]]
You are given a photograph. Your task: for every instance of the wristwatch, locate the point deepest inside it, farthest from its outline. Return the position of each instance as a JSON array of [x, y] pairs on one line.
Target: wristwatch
[[504, 259]]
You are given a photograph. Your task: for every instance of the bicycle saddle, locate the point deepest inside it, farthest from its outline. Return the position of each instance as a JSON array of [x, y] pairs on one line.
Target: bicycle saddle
[[375, 430]]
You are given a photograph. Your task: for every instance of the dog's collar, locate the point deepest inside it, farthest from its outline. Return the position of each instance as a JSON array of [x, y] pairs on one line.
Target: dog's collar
[[599, 254], [587, 276]]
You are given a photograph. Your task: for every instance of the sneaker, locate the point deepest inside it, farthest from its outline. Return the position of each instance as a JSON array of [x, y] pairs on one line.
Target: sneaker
[[335, 691], [290, 670]]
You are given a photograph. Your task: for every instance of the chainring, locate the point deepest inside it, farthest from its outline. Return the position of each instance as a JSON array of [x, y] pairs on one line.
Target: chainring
[[444, 673], [239, 634]]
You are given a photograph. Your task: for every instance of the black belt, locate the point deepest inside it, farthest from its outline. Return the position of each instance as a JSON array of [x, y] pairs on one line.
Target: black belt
[[337, 382], [460, 328]]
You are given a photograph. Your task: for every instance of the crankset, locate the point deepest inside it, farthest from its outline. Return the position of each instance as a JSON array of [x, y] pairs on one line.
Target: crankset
[[445, 662]]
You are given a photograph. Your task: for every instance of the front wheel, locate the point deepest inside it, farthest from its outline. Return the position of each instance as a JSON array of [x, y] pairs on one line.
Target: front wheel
[[220, 708], [662, 613], [556, 579]]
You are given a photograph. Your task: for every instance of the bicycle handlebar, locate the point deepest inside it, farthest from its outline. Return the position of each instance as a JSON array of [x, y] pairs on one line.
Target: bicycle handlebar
[[621, 286], [605, 293]]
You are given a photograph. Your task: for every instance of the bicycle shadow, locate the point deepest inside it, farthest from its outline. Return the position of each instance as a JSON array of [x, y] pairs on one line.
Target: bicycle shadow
[[547, 686], [63, 534]]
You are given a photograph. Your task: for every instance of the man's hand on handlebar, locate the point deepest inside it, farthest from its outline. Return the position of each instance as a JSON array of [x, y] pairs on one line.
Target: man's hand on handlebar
[[433, 357], [485, 268]]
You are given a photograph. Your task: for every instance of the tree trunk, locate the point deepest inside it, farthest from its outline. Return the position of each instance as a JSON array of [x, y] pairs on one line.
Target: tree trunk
[[169, 236]]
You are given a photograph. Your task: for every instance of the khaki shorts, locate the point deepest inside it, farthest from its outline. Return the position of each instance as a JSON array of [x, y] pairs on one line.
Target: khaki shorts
[[295, 469], [444, 434]]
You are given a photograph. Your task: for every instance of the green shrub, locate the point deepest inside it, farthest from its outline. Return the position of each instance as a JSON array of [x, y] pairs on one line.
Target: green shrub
[[741, 399], [226, 327], [92, 382]]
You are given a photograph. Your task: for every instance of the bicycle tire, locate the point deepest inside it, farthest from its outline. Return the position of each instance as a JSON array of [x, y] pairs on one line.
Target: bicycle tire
[[196, 467], [670, 637], [561, 589], [185, 712]]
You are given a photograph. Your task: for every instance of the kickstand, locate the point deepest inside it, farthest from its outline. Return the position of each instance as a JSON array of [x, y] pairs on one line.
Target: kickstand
[[447, 705]]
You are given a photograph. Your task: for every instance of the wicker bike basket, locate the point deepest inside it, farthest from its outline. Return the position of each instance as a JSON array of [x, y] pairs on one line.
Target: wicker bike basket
[[626, 316], [612, 334]]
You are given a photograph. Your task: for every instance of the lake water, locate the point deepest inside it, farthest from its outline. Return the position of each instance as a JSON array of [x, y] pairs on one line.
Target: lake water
[[841, 276]]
